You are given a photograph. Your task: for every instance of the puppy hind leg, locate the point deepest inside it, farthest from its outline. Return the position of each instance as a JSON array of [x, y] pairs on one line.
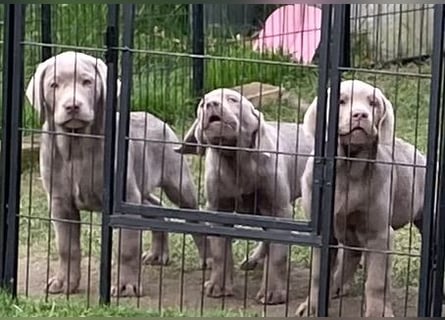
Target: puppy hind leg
[[256, 258], [185, 197], [129, 255], [159, 251]]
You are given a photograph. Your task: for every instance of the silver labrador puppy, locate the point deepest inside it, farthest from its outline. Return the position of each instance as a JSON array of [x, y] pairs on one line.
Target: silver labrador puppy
[[253, 180], [69, 91], [372, 197]]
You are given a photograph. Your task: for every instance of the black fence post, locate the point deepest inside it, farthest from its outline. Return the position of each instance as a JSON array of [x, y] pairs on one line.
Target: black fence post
[[46, 31], [427, 253], [124, 103], [198, 48], [6, 129], [327, 206], [319, 150], [439, 237], [346, 37], [111, 59], [319, 143], [14, 114], [439, 221]]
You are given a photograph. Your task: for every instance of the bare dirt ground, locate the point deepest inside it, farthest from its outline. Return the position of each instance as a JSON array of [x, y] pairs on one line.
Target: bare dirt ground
[[166, 294]]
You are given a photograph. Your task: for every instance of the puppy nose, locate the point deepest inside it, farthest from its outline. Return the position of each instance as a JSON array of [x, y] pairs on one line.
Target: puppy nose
[[212, 104], [359, 115], [72, 108]]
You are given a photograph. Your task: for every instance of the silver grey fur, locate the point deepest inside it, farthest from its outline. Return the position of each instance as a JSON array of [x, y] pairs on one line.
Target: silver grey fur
[[69, 91], [369, 205], [225, 116]]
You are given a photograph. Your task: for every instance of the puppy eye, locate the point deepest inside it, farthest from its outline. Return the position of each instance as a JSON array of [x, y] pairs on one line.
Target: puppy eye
[[373, 103], [87, 82], [342, 102], [232, 99], [54, 85]]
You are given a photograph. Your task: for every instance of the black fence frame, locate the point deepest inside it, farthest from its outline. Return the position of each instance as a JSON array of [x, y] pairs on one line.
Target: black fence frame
[[333, 60]]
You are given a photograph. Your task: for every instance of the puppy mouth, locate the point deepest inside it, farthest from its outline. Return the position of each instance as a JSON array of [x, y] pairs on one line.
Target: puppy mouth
[[220, 131], [214, 118], [75, 123], [354, 129], [357, 136], [218, 121]]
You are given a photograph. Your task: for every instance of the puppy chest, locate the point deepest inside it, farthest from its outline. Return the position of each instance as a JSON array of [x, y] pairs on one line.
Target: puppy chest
[[352, 195], [87, 197], [87, 190], [233, 185], [228, 177]]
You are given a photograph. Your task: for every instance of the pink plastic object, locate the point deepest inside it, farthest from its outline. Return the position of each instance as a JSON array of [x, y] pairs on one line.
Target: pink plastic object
[[291, 29]]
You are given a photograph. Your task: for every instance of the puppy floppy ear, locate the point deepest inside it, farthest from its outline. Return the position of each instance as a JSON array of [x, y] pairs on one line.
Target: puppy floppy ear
[[310, 116], [385, 126], [264, 139], [191, 137], [34, 90], [101, 68]]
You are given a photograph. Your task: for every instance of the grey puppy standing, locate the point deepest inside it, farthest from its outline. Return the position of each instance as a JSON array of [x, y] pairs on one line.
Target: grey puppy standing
[[372, 198], [253, 180], [69, 91]]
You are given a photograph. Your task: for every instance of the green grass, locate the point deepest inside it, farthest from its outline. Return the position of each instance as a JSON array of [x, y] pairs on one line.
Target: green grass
[[59, 307]]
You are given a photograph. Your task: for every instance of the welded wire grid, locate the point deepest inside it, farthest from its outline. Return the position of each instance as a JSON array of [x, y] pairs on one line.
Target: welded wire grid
[[161, 83], [405, 79], [50, 30]]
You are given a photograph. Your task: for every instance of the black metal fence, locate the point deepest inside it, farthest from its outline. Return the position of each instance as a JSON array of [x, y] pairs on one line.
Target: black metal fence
[[166, 62]]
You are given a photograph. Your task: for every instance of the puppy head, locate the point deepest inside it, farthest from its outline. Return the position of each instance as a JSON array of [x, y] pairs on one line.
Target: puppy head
[[227, 118], [70, 89], [365, 115]]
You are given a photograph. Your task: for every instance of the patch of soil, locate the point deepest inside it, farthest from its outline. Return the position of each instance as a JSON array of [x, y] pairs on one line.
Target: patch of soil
[[168, 287]]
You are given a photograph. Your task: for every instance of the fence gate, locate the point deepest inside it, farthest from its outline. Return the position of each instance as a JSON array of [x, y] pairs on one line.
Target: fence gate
[[129, 215]]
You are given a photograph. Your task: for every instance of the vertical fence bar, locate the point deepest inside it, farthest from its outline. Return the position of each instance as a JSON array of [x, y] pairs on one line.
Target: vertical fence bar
[[426, 264], [11, 259], [46, 31], [320, 127], [439, 237], [439, 245], [6, 130], [124, 105], [330, 167], [346, 38], [198, 47], [111, 59]]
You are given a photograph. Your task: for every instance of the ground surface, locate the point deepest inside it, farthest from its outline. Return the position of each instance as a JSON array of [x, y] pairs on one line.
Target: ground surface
[[167, 295]]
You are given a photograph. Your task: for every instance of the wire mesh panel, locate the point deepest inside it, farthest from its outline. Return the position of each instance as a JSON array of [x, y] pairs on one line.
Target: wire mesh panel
[[59, 238], [231, 181], [405, 98], [228, 63]]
